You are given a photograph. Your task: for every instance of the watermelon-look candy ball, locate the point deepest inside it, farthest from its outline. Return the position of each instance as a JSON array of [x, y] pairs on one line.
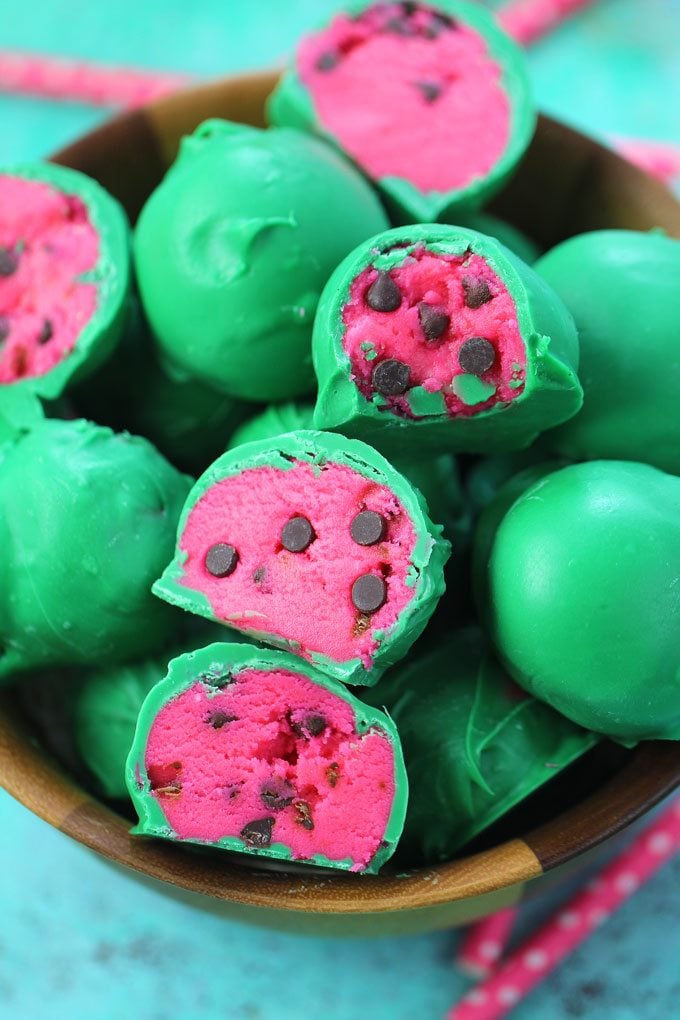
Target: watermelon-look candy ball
[[253, 751], [64, 277], [314, 543], [475, 744], [578, 584], [621, 287], [250, 225], [437, 336], [432, 101], [88, 520], [436, 477]]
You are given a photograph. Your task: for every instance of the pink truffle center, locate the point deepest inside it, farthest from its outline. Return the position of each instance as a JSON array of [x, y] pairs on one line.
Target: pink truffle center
[[461, 300], [272, 758], [46, 243], [410, 94], [302, 597]]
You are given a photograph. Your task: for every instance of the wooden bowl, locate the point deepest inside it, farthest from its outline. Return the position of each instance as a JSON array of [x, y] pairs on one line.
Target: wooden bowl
[[567, 184]]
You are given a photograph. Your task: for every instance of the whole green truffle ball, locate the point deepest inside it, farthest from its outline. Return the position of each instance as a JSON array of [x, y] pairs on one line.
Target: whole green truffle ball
[[234, 247], [580, 589], [88, 522], [621, 286]]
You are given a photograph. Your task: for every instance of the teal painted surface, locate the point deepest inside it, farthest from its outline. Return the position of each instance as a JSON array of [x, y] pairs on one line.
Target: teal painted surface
[[79, 941]]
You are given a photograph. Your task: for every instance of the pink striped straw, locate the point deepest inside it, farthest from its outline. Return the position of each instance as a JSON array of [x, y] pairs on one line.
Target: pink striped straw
[[527, 20], [84, 82], [484, 943], [545, 950]]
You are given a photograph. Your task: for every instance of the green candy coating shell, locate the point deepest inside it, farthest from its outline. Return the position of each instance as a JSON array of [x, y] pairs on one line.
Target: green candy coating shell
[[474, 747], [552, 392], [88, 520], [291, 105], [234, 247], [622, 289], [428, 557], [111, 275], [579, 585], [215, 661]]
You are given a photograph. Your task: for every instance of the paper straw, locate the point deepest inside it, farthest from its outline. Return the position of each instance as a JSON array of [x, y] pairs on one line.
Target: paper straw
[[527, 20], [660, 159], [484, 943], [84, 82], [545, 950]]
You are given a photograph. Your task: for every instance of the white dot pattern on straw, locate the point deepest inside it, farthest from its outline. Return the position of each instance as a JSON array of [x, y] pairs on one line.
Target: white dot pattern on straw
[[476, 997], [626, 883], [659, 843], [490, 950], [508, 995], [596, 917], [568, 919], [536, 959]]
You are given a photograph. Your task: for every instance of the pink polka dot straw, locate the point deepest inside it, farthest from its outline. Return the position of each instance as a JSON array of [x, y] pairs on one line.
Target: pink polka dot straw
[[484, 943], [526, 20], [542, 952]]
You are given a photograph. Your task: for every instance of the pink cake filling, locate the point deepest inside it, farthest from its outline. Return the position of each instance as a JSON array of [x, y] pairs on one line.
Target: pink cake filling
[[272, 758], [409, 93], [466, 301], [303, 597], [46, 242]]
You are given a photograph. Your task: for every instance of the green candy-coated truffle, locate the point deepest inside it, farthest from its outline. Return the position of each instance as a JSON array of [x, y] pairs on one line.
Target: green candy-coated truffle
[[551, 392], [88, 520], [233, 248], [579, 583], [622, 289], [437, 478], [474, 744], [425, 572], [291, 104], [213, 666], [110, 275]]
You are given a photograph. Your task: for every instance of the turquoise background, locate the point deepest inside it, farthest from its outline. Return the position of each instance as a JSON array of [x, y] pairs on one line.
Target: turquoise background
[[80, 941]]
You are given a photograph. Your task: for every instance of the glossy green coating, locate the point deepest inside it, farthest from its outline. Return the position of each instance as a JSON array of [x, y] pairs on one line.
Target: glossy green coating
[[578, 581], [111, 276], [489, 475], [210, 665], [474, 744], [429, 555], [233, 249], [622, 288], [190, 423], [436, 477], [291, 104], [551, 394], [105, 716], [88, 520]]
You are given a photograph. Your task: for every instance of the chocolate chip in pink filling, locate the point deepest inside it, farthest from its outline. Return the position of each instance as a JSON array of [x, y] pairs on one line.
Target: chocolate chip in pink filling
[[286, 766], [453, 331], [46, 243], [409, 92], [300, 583]]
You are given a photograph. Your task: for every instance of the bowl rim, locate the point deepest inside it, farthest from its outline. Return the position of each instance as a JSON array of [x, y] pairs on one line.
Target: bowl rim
[[650, 771]]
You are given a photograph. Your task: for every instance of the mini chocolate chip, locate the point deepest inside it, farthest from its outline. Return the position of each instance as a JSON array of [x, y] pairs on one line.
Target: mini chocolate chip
[[297, 535], [221, 560], [46, 332], [304, 815], [476, 290], [327, 61], [258, 833], [368, 528], [430, 90], [8, 262], [218, 719], [259, 575], [369, 593], [400, 26], [311, 726], [383, 295], [391, 378], [445, 20], [4, 328], [433, 321], [276, 794], [333, 774], [476, 355]]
